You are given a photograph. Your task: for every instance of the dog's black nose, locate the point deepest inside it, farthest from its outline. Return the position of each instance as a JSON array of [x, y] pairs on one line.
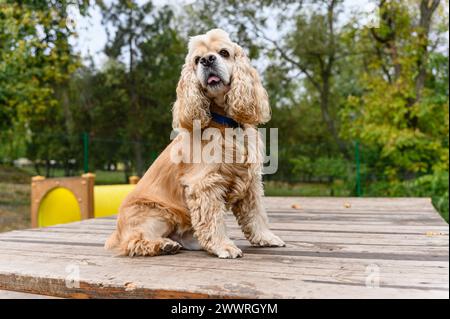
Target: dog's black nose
[[208, 60]]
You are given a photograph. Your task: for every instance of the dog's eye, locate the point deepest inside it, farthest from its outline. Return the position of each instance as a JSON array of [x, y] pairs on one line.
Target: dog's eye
[[197, 59], [224, 53]]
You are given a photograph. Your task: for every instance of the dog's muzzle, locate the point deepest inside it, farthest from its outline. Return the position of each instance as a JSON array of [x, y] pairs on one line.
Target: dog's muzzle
[[213, 72]]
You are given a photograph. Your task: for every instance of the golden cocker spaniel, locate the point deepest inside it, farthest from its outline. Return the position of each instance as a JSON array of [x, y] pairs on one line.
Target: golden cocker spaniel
[[182, 203]]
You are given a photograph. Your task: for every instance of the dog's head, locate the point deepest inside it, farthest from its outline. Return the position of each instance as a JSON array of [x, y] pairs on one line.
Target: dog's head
[[216, 70]]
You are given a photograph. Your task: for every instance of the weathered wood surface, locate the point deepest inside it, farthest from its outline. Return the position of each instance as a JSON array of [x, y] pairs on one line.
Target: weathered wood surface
[[336, 248], [8, 294]]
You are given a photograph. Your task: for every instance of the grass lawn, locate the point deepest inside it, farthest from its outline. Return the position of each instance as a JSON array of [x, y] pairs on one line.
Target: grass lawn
[[276, 188], [14, 206], [272, 188], [14, 199]]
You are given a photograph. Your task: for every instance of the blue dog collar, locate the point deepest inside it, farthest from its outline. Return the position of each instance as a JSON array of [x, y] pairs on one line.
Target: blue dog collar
[[224, 120]]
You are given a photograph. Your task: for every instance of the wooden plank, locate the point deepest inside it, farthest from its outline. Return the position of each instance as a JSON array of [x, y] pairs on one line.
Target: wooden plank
[[304, 226], [353, 248], [268, 265], [190, 282], [315, 261], [435, 239], [139, 266], [8, 294], [333, 245], [351, 252], [432, 268]]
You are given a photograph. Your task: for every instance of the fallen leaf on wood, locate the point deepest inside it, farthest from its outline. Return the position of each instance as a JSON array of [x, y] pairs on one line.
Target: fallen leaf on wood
[[130, 286], [431, 233], [347, 205], [296, 206]]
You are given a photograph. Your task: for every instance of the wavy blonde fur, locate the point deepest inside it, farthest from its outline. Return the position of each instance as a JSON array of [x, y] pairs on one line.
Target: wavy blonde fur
[[191, 103], [247, 101], [179, 205]]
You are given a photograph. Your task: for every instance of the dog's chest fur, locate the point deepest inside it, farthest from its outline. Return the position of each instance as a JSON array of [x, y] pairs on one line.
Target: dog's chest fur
[[237, 168], [247, 168]]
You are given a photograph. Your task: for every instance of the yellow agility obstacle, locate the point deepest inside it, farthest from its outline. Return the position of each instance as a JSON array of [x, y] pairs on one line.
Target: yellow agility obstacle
[[64, 200]]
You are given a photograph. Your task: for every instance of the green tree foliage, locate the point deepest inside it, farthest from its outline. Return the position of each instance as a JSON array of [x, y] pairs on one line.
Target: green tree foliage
[[332, 82], [36, 63], [51, 98], [99, 105], [144, 38], [402, 111]]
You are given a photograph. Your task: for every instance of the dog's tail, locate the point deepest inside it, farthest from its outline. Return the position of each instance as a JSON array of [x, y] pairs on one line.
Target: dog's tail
[[113, 241]]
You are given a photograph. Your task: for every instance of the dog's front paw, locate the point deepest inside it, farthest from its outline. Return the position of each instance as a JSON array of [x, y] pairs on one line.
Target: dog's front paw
[[227, 251], [267, 239]]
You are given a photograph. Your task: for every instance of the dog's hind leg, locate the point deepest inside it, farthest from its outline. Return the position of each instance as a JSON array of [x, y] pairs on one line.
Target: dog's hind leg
[[146, 233], [112, 241]]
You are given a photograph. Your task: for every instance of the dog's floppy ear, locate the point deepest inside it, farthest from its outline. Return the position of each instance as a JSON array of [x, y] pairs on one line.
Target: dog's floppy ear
[[191, 103], [247, 100]]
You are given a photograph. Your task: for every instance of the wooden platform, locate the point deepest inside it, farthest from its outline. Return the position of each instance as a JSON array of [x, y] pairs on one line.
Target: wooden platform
[[336, 248]]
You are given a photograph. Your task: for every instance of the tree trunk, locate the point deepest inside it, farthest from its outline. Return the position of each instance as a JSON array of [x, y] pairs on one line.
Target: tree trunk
[[329, 121], [326, 75], [36, 168], [47, 168], [127, 171], [134, 101], [66, 168], [427, 8], [137, 147]]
